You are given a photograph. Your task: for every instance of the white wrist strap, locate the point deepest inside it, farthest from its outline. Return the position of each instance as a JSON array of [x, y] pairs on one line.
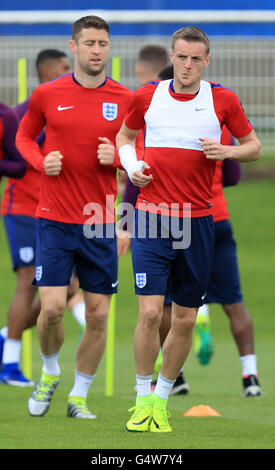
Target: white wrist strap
[[128, 158]]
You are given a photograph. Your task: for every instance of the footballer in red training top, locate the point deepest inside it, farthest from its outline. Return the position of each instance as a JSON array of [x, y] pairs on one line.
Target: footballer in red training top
[[75, 117]]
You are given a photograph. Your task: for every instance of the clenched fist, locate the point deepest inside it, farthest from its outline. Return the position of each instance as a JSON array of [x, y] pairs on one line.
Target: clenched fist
[[53, 163], [105, 151]]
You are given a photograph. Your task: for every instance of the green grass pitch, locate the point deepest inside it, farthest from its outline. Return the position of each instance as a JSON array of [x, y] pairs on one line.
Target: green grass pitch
[[245, 423]]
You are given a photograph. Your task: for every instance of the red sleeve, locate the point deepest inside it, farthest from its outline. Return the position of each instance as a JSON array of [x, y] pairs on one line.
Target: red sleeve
[[140, 103], [140, 145], [226, 137], [230, 111], [29, 128]]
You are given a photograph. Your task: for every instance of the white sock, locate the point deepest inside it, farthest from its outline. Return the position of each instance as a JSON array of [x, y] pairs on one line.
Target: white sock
[[12, 350], [50, 364], [78, 312], [144, 385], [82, 383], [4, 332], [203, 310], [163, 387], [249, 364]]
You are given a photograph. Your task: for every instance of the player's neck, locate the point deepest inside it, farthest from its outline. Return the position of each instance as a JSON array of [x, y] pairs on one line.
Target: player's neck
[[185, 89], [90, 81]]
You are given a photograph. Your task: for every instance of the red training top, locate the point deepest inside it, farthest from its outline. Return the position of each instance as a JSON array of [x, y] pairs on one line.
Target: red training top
[[74, 117], [183, 175]]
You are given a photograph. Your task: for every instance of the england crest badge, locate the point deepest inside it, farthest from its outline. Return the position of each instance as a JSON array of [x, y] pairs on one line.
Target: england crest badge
[[38, 273], [141, 280], [26, 254], [109, 111]]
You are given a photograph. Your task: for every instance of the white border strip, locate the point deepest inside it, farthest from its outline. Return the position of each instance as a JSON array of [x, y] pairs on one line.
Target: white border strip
[[139, 16]]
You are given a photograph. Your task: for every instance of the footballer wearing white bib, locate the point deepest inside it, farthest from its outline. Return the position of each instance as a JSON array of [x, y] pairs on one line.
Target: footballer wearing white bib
[[183, 121]]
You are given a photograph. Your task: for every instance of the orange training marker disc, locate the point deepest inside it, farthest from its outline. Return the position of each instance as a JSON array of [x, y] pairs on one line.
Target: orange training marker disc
[[201, 410]]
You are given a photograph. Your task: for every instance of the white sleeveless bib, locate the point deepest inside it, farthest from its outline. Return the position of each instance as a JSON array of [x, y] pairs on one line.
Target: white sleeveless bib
[[179, 124]]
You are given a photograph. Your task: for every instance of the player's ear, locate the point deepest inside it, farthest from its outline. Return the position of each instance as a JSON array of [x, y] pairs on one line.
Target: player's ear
[[72, 45], [171, 55], [207, 60]]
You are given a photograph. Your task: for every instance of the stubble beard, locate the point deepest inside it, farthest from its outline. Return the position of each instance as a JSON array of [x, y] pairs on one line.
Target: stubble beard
[[93, 72]]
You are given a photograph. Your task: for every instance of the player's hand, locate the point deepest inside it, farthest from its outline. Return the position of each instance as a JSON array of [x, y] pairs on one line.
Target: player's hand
[[124, 240], [137, 176], [214, 150], [105, 151], [53, 163]]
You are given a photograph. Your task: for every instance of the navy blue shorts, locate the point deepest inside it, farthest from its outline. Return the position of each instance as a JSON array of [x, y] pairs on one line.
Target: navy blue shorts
[[61, 247], [21, 233], [160, 267], [224, 285]]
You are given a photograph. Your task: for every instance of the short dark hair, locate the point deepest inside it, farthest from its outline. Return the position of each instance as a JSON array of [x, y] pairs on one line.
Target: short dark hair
[[48, 54], [87, 22], [191, 34], [167, 73], [154, 54]]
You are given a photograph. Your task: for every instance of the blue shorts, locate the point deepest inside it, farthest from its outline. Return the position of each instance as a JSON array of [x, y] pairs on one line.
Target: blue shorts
[[224, 285], [21, 233], [61, 247], [160, 267]]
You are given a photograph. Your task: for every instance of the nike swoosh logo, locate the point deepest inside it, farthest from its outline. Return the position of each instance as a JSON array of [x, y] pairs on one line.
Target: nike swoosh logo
[[114, 284], [200, 109], [60, 108], [142, 421], [156, 424]]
